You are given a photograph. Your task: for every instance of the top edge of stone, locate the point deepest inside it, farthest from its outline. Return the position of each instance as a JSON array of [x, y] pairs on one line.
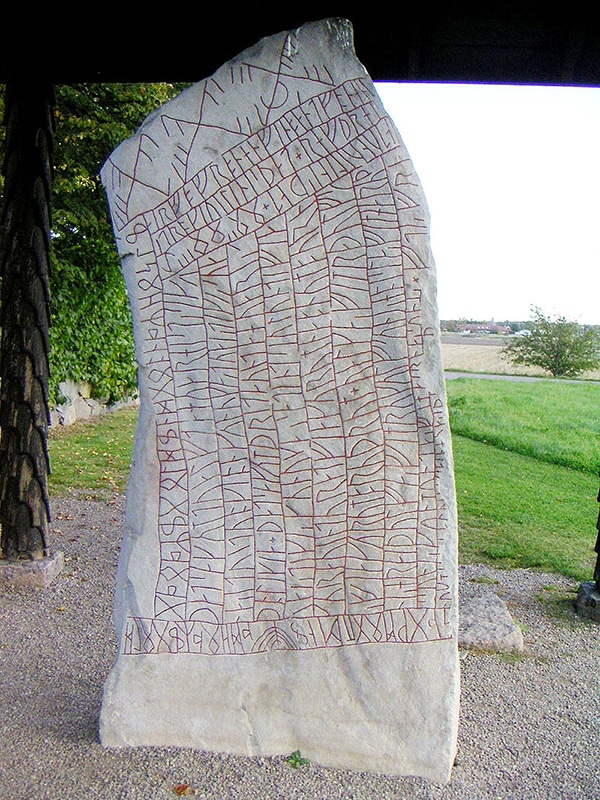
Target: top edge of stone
[[333, 33], [338, 31]]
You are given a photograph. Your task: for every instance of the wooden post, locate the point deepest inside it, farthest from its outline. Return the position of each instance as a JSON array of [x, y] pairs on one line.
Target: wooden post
[[24, 316]]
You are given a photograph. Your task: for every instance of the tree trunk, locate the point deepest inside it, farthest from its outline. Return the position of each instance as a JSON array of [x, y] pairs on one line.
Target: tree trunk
[[24, 316]]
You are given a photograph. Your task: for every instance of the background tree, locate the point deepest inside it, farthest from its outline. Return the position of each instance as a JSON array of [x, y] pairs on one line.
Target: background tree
[[560, 346], [91, 333]]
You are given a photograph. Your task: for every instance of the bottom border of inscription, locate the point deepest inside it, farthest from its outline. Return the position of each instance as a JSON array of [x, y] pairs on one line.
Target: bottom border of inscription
[[401, 626]]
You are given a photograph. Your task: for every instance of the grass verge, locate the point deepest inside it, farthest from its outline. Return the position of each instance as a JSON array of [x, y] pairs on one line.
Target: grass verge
[[554, 422], [92, 455], [516, 511]]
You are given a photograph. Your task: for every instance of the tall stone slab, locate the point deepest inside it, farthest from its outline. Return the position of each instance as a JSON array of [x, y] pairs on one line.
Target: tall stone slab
[[288, 572]]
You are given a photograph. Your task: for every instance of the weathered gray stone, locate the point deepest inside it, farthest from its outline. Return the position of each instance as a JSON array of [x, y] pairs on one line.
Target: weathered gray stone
[[485, 623], [78, 404], [288, 571], [587, 603], [31, 574]]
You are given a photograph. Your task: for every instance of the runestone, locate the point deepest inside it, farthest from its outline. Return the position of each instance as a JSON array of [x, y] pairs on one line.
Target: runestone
[[288, 572]]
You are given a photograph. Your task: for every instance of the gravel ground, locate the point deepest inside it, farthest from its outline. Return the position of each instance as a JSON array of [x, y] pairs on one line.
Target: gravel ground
[[530, 724]]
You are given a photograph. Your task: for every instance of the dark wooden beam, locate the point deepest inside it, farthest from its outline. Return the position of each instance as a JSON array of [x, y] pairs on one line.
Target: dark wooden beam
[[524, 42], [24, 317]]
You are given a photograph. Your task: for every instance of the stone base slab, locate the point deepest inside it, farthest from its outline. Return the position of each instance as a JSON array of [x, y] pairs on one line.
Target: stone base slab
[[31, 574], [587, 603], [486, 623], [383, 708]]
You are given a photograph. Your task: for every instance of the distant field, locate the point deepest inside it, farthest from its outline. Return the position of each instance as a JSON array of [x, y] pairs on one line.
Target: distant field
[[482, 354]]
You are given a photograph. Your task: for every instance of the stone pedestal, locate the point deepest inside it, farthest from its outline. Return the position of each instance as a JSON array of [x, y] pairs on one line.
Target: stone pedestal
[[288, 572], [31, 574], [587, 603]]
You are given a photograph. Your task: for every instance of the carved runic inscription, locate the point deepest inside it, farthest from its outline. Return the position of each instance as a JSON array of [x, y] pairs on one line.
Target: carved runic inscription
[[280, 326]]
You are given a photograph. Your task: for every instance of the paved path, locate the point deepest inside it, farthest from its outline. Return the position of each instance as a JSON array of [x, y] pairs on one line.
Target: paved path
[[451, 375]]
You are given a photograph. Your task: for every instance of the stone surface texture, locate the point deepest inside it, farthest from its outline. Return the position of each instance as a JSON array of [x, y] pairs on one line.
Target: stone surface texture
[[31, 574], [486, 624], [288, 572], [78, 404]]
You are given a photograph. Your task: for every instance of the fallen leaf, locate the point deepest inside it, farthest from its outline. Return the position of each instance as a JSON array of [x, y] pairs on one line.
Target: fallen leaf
[[184, 790]]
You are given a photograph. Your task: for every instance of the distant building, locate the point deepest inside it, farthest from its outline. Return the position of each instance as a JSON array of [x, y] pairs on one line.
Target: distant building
[[467, 328]]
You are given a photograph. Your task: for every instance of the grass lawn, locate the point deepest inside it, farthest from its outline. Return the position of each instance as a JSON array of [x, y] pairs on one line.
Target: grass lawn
[[92, 455], [555, 422], [515, 511], [526, 467]]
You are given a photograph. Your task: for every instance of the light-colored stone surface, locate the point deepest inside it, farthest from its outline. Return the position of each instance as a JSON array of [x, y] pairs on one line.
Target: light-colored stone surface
[[288, 574], [78, 404], [486, 623], [31, 574]]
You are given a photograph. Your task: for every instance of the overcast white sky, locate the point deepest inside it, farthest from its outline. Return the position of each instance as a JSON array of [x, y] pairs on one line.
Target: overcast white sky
[[512, 180]]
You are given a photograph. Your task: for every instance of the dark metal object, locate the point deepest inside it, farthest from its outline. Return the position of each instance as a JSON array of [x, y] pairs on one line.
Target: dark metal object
[[597, 550], [24, 367]]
